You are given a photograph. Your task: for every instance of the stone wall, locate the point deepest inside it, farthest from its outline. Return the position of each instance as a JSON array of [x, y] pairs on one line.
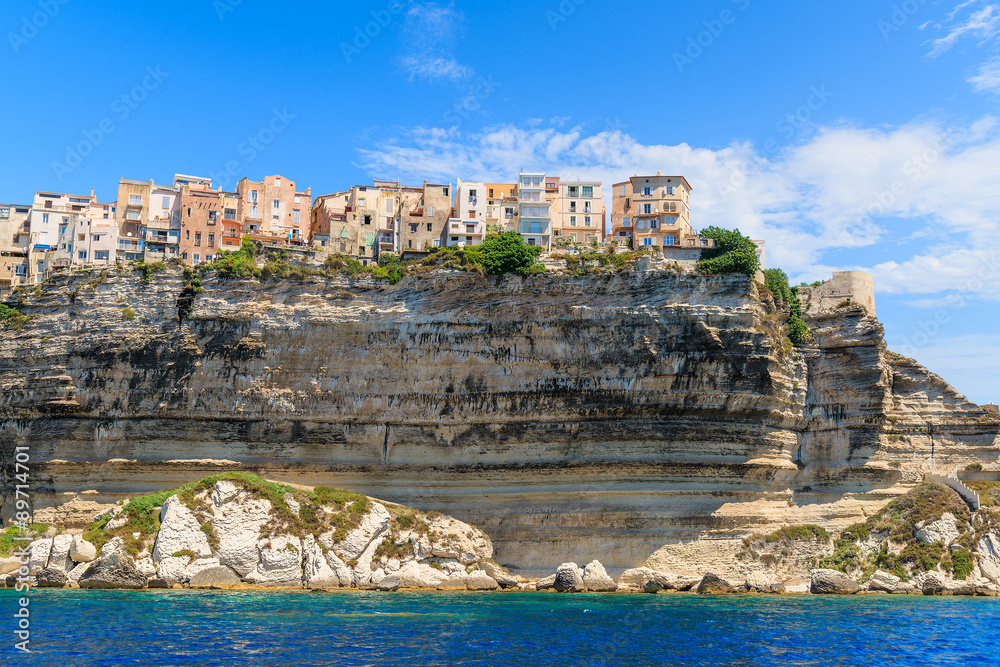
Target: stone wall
[[853, 286]]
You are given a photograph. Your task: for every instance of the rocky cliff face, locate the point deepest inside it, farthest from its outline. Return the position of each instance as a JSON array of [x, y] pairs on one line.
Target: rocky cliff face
[[571, 418]]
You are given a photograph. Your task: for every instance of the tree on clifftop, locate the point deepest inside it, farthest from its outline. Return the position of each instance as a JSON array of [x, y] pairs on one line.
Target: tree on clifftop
[[733, 253], [507, 252]]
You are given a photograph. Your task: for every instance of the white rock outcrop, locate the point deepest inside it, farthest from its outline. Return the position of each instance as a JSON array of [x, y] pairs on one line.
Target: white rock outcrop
[[883, 582], [646, 580], [237, 519], [323, 569], [38, 558], [989, 556], [59, 558], [280, 563], [943, 530], [371, 529], [179, 531], [597, 579]]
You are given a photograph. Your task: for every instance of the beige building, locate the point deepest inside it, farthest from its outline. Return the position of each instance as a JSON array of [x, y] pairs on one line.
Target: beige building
[[425, 216], [132, 209], [15, 227], [273, 210], [654, 211], [96, 236], [578, 212], [53, 222], [501, 207]]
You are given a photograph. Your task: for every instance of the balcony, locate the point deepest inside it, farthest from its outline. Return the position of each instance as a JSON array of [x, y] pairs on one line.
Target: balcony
[[161, 223]]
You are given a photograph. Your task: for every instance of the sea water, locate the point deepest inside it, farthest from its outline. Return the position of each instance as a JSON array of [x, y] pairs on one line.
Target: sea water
[[186, 627]]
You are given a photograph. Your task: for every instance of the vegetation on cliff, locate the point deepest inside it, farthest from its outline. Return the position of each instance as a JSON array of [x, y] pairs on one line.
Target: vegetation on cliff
[[776, 281], [732, 253], [12, 318]]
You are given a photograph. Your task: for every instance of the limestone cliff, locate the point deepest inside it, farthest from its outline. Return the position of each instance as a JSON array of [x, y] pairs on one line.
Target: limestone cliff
[[571, 418]]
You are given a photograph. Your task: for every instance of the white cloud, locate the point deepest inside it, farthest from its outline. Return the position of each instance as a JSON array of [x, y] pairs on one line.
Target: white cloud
[[988, 78], [429, 36], [983, 24], [843, 189]]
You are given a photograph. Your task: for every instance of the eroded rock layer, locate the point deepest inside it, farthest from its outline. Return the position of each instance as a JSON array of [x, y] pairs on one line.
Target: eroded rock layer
[[570, 418]]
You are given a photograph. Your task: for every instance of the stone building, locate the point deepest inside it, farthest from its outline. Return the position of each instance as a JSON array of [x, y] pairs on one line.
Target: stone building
[[202, 212], [654, 212], [274, 209], [425, 216], [578, 212], [501, 207], [15, 226]]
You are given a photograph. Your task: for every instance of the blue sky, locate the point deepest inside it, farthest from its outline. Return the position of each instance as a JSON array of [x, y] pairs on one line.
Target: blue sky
[[857, 134]]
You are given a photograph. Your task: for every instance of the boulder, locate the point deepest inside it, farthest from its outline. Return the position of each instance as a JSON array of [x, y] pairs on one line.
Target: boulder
[[645, 580], [989, 557], [943, 530], [51, 578], [596, 578], [832, 582], [220, 577], [77, 572], [417, 575], [934, 584], [480, 581], [82, 551], [156, 582], [569, 579], [179, 531], [390, 583], [114, 570], [497, 574], [144, 564], [59, 558], [38, 558], [237, 519], [173, 569], [758, 583], [883, 582], [545, 583], [456, 539], [9, 565], [455, 582], [713, 584], [280, 563]]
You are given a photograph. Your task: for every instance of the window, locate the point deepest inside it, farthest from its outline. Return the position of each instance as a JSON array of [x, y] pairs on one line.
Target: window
[[274, 218], [368, 220], [490, 193], [361, 202], [627, 222], [253, 211], [444, 191], [430, 210], [276, 204], [277, 182], [253, 196], [211, 216], [187, 234], [184, 255], [473, 194], [409, 244], [647, 192], [413, 228], [197, 258], [45, 217], [83, 254], [197, 238], [100, 254], [647, 208], [229, 214], [430, 227], [21, 270], [295, 217], [81, 237], [135, 200], [166, 202], [586, 221], [131, 215], [211, 240], [572, 207], [588, 191], [189, 211], [572, 220], [670, 191], [587, 208], [573, 191], [454, 239], [668, 240], [621, 190], [389, 205], [653, 224], [647, 241]]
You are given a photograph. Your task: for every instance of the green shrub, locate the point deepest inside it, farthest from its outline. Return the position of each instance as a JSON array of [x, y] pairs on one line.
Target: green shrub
[[962, 563], [507, 252], [237, 264], [12, 318], [732, 253], [128, 313]]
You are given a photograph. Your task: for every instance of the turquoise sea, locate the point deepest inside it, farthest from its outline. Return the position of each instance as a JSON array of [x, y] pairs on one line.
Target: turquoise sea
[[74, 627]]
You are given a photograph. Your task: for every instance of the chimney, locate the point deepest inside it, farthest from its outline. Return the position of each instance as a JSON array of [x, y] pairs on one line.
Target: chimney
[[659, 173]]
